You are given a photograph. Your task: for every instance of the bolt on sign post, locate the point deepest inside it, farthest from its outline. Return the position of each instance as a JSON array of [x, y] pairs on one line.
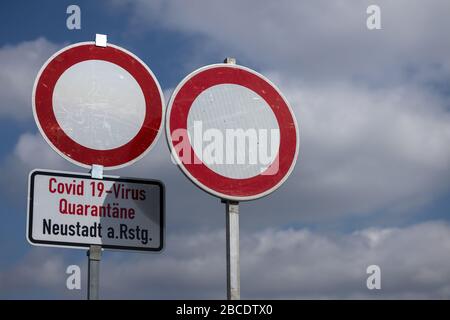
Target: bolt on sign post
[[100, 107], [234, 135]]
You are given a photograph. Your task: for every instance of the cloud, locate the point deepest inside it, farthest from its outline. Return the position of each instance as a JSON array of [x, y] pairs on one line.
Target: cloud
[[275, 263], [314, 40], [19, 66], [364, 150], [31, 152], [37, 275]]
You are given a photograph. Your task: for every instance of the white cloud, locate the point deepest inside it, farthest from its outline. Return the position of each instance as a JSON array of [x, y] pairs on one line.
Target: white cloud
[[19, 66], [363, 149], [275, 264], [30, 152], [314, 40]]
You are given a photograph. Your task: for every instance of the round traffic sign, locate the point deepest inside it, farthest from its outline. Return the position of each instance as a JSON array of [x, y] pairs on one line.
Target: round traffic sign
[[98, 105], [232, 132]]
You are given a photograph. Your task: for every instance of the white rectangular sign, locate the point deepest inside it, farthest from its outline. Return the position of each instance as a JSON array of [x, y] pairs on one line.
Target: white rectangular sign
[[76, 210]]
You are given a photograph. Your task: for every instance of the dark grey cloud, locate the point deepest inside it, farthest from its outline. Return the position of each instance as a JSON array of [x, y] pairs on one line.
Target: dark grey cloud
[[276, 263], [314, 40]]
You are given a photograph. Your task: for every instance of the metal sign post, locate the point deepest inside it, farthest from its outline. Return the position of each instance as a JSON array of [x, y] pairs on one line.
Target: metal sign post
[[94, 255], [95, 252], [232, 238]]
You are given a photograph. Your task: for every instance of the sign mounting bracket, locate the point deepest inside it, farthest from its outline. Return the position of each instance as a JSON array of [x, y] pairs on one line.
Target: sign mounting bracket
[[97, 171], [101, 40]]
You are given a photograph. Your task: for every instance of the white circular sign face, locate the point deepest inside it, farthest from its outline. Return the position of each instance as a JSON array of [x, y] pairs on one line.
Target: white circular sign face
[[218, 113], [231, 132], [99, 104]]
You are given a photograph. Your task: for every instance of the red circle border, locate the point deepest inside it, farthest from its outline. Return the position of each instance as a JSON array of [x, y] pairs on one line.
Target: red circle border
[[43, 102], [249, 188]]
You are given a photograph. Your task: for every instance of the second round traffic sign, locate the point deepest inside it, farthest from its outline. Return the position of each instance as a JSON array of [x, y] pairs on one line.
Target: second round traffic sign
[[98, 105], [232, 132]]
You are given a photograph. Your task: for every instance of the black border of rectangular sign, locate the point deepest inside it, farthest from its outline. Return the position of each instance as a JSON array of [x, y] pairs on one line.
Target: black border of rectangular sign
[[107, 178]]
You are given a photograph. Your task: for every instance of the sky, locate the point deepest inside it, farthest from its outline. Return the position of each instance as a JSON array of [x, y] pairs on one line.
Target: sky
[[371, 184]]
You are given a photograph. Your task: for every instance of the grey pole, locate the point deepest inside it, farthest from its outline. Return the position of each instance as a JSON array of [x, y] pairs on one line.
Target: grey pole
[[95, 251], [94, 254], [232, 232]]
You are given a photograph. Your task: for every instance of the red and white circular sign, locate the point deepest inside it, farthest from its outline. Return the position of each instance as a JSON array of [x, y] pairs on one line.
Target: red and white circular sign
[[98, 105], [232, 132]]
